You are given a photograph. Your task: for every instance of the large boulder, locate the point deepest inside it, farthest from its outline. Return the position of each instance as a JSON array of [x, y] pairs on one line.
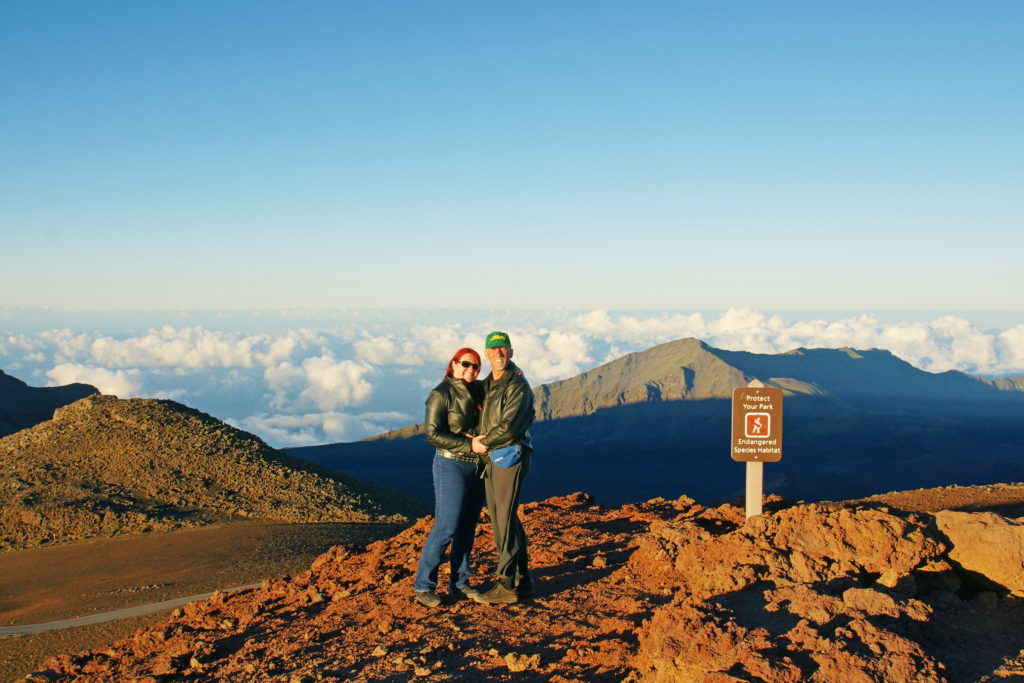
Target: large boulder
[[987, 544]]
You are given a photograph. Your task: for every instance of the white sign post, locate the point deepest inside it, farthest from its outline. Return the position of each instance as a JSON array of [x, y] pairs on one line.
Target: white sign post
[[755, 488]]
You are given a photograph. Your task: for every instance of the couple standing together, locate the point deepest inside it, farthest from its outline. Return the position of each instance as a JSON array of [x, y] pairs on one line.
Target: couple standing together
[[482, 449]]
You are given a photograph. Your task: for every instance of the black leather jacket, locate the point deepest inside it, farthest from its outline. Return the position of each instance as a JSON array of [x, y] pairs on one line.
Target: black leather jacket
[[508, 410], [452, 410]]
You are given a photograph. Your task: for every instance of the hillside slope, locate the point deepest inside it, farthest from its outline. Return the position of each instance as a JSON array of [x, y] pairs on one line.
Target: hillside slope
[[104, 466], [659, 591]]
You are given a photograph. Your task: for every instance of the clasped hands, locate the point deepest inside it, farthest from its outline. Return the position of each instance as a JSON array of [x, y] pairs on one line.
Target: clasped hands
[[478, 444]]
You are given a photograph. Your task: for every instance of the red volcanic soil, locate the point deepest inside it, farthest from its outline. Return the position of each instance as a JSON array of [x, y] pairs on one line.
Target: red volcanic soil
[[82, 579], [662, 590]]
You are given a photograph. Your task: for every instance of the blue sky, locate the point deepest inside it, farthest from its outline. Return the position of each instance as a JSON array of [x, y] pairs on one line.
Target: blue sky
[[678, 155]]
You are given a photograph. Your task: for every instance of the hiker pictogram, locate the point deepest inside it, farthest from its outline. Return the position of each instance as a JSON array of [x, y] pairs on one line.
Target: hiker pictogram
[[758, 426]]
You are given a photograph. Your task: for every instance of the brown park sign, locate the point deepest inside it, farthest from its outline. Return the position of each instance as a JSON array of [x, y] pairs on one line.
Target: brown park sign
[[757, 424]]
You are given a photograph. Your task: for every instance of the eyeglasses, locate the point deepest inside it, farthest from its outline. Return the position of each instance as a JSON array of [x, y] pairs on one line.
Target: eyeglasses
[[467, 364]]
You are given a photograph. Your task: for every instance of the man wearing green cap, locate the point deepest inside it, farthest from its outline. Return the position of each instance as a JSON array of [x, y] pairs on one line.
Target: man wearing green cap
[[505, 421]]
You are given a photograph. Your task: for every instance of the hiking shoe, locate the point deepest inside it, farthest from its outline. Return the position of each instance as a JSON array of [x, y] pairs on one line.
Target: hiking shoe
[[524, 589], [498, 593], [465, 593], [428, 598]]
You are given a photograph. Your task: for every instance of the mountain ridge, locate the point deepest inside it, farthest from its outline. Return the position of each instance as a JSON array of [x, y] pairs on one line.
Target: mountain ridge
[[690, 369], [22, 406], [857, 422]]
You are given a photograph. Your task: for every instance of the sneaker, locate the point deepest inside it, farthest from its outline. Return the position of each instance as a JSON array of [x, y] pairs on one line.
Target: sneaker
[[428, 598], [464, 593], [498, 593]]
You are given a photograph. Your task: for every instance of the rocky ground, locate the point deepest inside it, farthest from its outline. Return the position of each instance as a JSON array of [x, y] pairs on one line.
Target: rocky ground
[[104, 466], [664, 590], [52, 583]]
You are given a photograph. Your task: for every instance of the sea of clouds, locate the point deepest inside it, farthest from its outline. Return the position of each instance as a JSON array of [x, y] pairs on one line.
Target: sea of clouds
[[320, 378]]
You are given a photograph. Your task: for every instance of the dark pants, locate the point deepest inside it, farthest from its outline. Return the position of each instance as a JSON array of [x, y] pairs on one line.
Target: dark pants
[[503, 486], [458, 498]]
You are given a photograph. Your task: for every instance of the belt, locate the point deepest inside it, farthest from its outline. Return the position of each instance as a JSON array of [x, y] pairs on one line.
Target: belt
[[458, 457]]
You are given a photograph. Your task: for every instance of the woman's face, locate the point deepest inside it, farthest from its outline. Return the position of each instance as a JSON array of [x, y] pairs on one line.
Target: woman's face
[[466, 374]]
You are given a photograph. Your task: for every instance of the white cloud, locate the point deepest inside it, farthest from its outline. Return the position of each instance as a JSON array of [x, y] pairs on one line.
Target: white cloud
[[543, 354], [437, 343], [858, 332], [1010, 345], [550, 355], [596, 323], [122, 383], [277, 351], [187, 347], [68, 345], [640, 331], [912, 341], [386, 351], [282, 430], [190, 347], [376, 350], [967, 345], [15, 348], [742, 329], [322, 381], [19, 344], [567, 346], [334, 383]]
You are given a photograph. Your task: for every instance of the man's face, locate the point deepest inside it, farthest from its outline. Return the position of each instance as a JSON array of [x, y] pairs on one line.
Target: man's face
[[498, 357]]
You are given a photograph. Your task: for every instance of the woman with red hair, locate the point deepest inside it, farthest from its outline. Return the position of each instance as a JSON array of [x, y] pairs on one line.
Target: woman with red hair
[[453, 409]]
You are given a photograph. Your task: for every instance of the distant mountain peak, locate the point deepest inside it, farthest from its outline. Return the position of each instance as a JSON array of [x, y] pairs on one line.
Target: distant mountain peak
[[676, 370], [690, 369]]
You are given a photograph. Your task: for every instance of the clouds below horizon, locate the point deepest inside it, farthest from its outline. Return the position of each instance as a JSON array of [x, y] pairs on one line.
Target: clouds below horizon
[[946, 343], [294, 386], [321, 382], [123, 383], [311, 429]]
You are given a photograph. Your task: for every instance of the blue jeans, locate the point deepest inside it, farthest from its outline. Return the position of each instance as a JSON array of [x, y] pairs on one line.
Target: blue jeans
[[458, 498]]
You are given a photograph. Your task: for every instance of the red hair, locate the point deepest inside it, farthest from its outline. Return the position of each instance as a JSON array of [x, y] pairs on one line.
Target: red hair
[[458, 354]]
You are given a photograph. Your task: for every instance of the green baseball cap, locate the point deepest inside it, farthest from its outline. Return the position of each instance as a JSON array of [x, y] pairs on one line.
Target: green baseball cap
[[495, 339]]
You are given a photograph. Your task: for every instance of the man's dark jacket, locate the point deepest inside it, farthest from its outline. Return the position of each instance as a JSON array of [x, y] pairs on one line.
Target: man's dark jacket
[[508, 410]]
